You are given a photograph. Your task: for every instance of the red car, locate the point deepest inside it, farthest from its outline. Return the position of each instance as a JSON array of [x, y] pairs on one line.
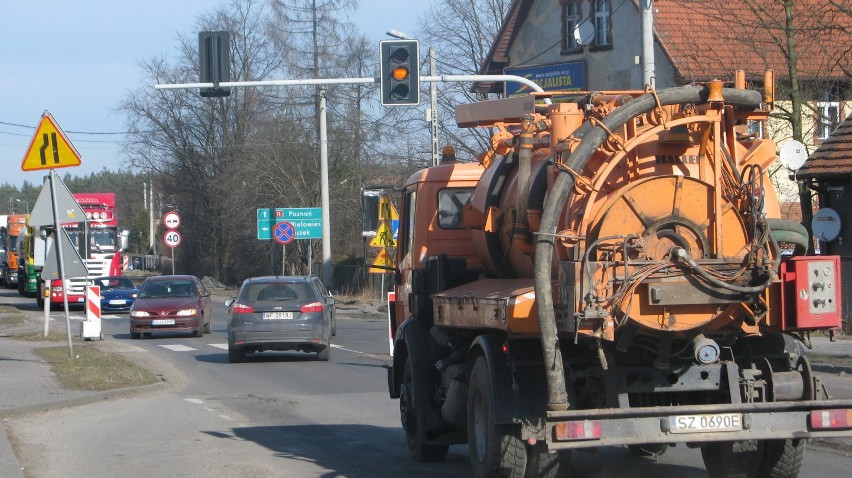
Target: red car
[[171, 304]]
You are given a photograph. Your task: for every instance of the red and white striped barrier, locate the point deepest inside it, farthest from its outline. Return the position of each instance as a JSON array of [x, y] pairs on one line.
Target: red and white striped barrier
[[91, 327], [93, 302]]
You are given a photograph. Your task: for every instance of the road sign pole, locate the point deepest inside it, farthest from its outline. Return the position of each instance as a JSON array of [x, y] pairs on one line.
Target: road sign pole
[[173, 260], [283, 259], [58, 243]]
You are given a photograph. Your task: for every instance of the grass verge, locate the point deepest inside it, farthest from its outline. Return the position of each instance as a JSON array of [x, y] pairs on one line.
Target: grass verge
[[53, 335], [93, 369], [830, 359], [11, 316]]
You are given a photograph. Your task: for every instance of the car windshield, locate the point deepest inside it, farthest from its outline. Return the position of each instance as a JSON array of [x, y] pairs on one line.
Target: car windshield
[[277, 292], [110, 283], [163, 288]]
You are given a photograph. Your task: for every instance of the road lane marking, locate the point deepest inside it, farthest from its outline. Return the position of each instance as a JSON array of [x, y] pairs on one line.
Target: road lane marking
[[178, 348], [335, 346], [219, 346]]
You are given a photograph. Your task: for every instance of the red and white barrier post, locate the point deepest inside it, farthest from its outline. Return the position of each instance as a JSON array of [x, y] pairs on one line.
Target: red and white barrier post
[[91, 327]]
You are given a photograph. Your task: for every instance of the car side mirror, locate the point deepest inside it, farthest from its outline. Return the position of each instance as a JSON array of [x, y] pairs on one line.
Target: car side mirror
[[230, 301]]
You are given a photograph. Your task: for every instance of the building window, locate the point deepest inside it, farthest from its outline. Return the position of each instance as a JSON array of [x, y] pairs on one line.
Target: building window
[[828, 118], [827, 112], [603, 22], [570, 20]]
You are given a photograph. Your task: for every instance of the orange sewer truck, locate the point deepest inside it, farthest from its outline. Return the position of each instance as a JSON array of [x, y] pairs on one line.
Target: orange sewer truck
[[14, 225], [614, 271]]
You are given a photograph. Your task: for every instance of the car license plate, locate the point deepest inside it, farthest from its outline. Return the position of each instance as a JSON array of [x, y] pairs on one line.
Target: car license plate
[[117, 302], [720, 422], [277, 315], [81, 299], [163, 322]]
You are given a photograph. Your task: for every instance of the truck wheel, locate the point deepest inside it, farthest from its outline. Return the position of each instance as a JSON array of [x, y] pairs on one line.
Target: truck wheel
[[495, 451], [782, 458], [541, 464], [731, 459], [413, 417]]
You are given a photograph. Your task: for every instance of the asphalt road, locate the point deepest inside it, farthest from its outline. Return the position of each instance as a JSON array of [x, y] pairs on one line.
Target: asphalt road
[[280, 414]]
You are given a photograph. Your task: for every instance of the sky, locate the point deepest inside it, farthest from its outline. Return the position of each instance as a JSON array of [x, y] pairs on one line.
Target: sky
[[78, 59]]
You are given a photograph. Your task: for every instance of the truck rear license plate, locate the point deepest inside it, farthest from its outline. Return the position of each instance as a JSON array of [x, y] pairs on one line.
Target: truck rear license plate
[[277, 315], [163, 322], [722, 422]]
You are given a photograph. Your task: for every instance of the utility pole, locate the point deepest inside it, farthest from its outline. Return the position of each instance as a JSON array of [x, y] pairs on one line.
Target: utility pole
[[433, 91], [648, 75]]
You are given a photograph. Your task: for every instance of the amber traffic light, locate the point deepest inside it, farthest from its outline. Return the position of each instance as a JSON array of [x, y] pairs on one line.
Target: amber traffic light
[[400, 78]]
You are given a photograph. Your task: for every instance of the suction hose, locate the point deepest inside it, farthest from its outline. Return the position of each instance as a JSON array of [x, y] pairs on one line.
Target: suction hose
[[591, 138]]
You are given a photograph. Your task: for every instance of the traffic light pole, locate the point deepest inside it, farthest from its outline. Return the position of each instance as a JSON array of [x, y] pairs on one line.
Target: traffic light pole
[[326, 225]]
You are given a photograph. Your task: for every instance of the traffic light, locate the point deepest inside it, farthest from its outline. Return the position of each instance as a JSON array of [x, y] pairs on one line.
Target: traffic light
[[400, 75], [214, 62]]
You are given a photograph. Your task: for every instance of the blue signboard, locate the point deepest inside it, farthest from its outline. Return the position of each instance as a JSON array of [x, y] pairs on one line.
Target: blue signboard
[[558, 77]]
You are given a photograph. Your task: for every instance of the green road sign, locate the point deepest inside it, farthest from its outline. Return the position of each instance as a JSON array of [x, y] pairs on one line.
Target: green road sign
[[306, 220], [264, 224]]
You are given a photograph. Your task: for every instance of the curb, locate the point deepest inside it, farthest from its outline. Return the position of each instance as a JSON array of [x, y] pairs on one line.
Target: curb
[[830, 368], [75, 402]]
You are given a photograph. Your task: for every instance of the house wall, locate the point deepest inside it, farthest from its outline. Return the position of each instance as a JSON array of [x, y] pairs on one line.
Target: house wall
[[539, 41]]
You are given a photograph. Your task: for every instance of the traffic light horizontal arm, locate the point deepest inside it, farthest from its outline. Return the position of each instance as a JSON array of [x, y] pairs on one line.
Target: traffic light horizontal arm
[[344, 81]]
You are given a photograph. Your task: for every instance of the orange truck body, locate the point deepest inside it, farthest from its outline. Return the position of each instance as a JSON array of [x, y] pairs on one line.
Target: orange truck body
[[614, 270], [15, 223]]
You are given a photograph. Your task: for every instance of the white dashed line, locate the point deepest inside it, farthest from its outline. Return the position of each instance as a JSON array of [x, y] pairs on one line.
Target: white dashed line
[[335, 346], [219, 346], [178, 348]]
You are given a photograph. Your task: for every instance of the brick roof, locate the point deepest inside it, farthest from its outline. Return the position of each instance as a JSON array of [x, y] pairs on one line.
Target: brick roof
[[712, 39], [833, 158]]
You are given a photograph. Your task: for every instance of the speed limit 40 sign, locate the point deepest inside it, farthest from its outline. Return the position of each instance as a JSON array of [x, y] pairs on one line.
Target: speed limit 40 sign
[[172, 238]]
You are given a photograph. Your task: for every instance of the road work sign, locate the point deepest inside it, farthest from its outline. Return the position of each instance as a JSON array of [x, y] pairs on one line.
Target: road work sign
[[50, 148]]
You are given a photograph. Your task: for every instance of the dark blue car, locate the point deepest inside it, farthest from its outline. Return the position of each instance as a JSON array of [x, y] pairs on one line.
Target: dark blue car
[[117, 293]]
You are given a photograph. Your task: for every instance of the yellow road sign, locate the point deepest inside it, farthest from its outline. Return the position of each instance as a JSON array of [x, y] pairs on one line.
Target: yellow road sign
[[384, 236], [387, 212], [382, 260], [50, 148]]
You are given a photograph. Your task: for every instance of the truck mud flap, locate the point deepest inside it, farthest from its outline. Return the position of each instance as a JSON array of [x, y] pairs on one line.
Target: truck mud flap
[[632, 426], [519, 394]]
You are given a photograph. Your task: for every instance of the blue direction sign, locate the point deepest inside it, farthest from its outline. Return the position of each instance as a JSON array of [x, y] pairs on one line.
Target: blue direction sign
[[284, 233], [306, 220], [264, 224]]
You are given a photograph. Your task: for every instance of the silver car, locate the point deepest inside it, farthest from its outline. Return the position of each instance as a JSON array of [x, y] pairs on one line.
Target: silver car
[[281, 313]]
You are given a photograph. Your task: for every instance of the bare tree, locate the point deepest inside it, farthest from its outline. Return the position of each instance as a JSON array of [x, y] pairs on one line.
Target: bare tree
[[196, 147], [462, 31]]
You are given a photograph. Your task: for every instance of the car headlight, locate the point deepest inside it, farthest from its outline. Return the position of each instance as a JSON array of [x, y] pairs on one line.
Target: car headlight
[[132, 296], [186, 312], [139, 313]]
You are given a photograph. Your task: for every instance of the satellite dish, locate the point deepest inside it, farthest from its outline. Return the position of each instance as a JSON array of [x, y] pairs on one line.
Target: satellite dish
[[793, 155], [826, 224], [584, 32]]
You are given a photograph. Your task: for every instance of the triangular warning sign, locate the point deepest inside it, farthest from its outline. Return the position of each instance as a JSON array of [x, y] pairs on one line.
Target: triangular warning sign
[[68, 211], [384, 261], [384, 236], [387, 211], [50, 148]]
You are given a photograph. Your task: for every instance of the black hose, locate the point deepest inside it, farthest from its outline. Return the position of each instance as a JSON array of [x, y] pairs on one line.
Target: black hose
[[791, 232], [592, 138]]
